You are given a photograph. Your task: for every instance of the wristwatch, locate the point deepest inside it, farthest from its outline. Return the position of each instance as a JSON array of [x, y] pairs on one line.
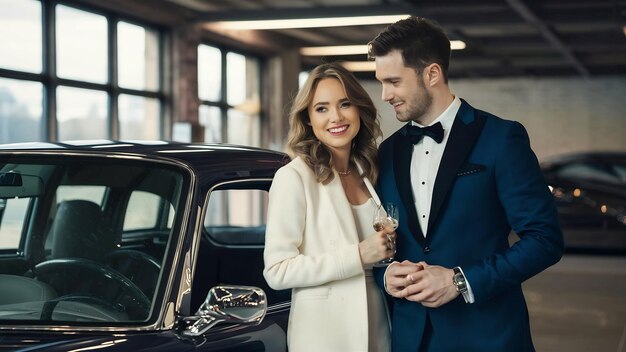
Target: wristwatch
[[459, 280]]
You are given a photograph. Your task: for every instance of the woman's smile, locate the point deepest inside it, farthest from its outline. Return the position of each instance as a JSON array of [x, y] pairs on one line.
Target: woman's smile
[[339, 130]]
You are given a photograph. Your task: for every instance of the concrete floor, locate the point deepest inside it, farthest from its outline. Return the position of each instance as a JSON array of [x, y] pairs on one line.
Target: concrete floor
[[579, 305]]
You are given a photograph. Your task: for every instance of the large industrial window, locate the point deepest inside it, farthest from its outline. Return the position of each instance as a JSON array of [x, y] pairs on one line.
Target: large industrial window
[[229, 93], [70, 73]]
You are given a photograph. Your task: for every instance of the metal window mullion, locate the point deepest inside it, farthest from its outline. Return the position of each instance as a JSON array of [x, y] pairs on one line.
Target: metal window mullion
[[25, 76], [49, 80], [211, 103], [80, 84], [224, 98], [141, 93], [165, 84], [113, 87]]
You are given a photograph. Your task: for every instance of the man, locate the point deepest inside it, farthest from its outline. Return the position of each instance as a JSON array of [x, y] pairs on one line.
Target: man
[[462, 179]]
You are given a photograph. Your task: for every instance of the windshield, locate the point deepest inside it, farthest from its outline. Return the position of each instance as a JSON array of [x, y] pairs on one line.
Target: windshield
[[83, 239], [594, 171]]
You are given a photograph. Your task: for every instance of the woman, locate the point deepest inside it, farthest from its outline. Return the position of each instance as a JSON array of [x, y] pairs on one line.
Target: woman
[[320, 241]]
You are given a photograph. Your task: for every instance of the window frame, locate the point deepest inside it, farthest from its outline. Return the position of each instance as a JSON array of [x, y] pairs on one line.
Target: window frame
[[222, 102], [50, 81]]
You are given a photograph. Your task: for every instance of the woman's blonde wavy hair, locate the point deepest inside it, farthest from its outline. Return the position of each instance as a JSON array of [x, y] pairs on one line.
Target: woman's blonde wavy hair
[[302, 141]]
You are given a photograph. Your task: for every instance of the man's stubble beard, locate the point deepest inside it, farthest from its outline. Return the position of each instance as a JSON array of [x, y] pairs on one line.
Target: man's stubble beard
[[418, 108]]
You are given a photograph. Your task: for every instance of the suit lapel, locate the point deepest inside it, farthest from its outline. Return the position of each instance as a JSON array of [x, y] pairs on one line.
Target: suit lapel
[[463, 135], [403, 151]]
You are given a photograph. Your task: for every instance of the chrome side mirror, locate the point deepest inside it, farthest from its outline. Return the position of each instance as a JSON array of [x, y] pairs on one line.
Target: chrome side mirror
[[228, 304]]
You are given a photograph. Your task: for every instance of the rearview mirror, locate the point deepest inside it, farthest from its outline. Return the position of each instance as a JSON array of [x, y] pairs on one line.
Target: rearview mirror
[[15, 185]]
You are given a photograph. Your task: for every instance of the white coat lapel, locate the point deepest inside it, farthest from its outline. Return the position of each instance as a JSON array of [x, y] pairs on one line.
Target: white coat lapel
[[369, 186], [342, 209]]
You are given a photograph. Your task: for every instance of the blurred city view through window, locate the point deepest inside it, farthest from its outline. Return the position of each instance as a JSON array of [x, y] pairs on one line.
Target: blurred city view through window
[[76, 102], [81, 80], [229, 93]]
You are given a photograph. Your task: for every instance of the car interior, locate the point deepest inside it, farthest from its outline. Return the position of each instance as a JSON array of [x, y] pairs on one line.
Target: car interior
[[68, 252]]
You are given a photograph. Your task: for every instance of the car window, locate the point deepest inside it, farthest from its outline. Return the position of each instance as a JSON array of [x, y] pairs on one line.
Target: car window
[[148, 222], [620, 170], [79, 266], [13, 214], [590, 171], [145, 212], [237, 216], [142, 211], [91, 193]]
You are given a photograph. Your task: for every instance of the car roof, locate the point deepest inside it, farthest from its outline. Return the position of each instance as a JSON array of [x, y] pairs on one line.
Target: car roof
[[208, 160], [612, 157], [139, 146], [167, 149]]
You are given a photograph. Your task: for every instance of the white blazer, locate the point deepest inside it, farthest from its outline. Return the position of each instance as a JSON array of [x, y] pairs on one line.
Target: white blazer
[[311, 245]]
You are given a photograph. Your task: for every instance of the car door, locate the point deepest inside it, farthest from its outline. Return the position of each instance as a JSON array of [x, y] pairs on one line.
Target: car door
[[231, 254]]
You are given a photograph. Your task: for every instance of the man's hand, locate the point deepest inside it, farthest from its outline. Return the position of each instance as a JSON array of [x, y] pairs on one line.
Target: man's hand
[[396, 277], [432, 286], [429, 285]]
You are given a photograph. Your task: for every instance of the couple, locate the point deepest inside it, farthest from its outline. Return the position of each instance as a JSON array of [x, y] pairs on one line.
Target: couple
[[462, 180]]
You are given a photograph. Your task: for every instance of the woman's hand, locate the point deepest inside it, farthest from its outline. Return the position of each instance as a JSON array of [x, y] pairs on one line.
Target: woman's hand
[[377, 247]]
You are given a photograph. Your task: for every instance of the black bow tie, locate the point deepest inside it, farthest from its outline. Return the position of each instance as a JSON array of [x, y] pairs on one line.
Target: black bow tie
[[415, 133]]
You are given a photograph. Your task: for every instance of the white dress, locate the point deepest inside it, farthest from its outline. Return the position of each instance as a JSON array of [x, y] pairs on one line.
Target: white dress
[[378, 317]]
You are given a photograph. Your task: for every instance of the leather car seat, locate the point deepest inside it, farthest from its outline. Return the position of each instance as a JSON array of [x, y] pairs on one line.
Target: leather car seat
[[79, 230], [19, 289]]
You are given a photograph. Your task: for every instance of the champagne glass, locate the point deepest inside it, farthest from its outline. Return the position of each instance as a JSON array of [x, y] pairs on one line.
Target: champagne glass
[[386, 217]]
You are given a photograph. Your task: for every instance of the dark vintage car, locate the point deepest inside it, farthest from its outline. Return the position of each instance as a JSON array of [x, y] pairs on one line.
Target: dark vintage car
[[139, 246], [590, 193]]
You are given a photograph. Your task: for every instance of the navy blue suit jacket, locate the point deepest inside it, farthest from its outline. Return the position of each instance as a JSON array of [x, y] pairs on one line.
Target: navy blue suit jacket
[[488, 184]]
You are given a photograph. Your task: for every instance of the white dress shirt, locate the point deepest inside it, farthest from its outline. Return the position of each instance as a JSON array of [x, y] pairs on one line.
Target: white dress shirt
[[424, 167], [425, 163]]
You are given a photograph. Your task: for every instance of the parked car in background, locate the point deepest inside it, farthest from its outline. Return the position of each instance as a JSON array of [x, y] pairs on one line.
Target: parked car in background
[[136, 246], [590, 193]]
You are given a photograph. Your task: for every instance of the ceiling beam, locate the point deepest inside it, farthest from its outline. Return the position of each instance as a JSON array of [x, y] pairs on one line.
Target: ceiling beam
[[313, 37], [520, 7]]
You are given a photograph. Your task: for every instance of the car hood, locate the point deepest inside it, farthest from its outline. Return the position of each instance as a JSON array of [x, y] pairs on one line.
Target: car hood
[[53, 342], [228, 338]]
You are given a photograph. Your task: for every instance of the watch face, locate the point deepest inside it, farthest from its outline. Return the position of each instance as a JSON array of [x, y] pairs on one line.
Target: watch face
[[459, 282]]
